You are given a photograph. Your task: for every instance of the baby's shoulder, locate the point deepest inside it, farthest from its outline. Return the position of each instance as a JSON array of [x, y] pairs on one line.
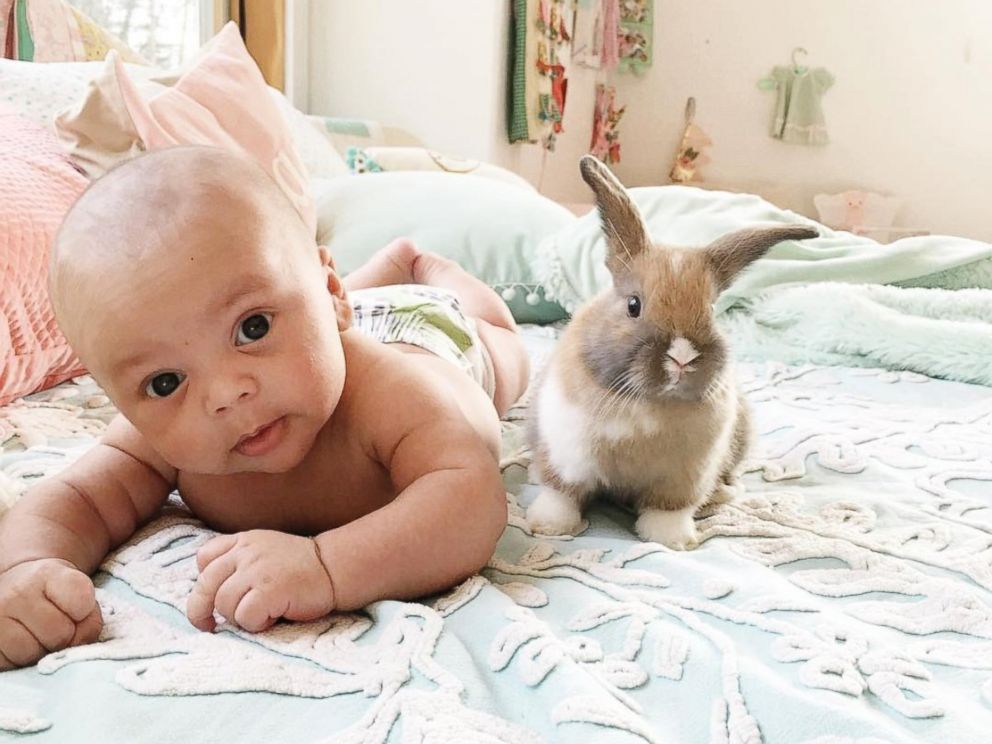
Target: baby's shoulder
[[401, 381], [399, 394], [388, 390], [122, 436]]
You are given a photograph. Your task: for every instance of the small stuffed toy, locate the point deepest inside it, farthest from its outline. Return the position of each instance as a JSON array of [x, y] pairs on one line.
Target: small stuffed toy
[[857, 211]]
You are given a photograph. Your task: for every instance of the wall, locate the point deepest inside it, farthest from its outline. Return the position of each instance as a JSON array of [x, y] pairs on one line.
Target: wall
[[436, 68], [910, 112]]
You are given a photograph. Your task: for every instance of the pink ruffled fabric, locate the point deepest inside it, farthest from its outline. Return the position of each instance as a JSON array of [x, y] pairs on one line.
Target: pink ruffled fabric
[[37, 187], [610, 56], [222, 101]]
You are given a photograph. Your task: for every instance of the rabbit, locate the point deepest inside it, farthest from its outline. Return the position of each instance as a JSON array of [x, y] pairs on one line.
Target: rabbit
[[638, 401]]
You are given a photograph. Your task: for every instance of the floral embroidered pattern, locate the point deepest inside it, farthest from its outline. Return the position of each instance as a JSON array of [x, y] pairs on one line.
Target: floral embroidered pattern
[[844, 598]]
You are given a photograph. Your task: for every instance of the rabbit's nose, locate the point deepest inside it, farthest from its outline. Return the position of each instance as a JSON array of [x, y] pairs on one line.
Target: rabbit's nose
[[682, 352]]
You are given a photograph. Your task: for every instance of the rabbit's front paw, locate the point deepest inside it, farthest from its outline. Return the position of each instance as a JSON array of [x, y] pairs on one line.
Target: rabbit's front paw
[[727, 490], [673, 529], [554, 513]]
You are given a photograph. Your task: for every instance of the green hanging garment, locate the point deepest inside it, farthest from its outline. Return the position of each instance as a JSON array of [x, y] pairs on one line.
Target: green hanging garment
[[798, 115], [539, 64]]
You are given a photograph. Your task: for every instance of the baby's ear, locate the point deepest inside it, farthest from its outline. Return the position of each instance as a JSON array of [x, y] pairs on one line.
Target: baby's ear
[[343, 312], [342, 306], [326, 259]]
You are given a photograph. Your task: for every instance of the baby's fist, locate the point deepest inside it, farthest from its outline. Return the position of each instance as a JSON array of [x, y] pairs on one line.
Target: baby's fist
[[45, 605], [254, 578]]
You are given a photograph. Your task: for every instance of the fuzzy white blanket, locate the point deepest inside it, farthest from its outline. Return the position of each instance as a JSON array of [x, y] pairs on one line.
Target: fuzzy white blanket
[[938, 332]]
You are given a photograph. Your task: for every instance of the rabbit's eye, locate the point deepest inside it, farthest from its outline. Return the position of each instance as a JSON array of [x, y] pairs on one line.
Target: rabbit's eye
[[633, 306]]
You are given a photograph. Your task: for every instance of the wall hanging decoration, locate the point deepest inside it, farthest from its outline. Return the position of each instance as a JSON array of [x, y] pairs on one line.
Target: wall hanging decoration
[[635, 34], [798, 116], [690, 154], [606, 117], [610, 53], [587, 33], [613, 33], [548, 36], [540, 54]]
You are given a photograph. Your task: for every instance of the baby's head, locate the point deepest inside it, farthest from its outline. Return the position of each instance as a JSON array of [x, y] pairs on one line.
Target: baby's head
[[188, 285]]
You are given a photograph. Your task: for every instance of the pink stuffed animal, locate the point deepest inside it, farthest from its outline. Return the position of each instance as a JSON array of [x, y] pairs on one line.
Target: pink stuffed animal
[[858, 211], [855, 214]]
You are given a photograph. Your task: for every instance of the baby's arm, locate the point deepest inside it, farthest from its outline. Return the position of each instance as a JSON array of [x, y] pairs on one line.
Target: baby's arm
[[442, 526], [444, 523], [58, 533]]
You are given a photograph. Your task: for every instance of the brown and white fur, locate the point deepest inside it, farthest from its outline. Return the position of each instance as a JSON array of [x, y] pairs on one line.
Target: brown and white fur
[[639, 401]]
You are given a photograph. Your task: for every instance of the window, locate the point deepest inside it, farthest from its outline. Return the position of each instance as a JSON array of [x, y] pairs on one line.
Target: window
[[165, 32]]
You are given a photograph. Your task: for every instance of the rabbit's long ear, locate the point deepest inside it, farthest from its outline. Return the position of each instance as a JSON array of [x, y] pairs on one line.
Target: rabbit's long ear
[[730, 254], [626, 236]]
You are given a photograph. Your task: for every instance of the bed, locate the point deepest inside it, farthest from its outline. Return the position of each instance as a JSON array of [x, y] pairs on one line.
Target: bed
[[845, 597]]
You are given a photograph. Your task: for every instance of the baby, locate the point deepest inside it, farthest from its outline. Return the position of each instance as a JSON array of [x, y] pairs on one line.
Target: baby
[[346, 439]]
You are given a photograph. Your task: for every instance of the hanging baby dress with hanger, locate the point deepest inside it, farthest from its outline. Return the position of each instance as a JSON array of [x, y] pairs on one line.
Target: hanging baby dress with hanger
[[798, 115]]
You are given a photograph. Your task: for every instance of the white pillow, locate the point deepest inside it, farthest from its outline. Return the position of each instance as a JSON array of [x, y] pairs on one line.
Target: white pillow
[[39, 90], [312, 141], [386, 159]]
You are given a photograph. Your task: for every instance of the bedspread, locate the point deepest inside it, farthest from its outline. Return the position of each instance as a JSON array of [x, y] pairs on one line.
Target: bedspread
[[845, 597]]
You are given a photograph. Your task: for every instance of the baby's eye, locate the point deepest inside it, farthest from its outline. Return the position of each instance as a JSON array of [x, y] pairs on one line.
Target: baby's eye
[[253, 328], [165, 384]]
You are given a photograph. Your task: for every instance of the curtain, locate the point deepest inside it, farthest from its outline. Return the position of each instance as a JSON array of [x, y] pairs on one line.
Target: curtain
[[263, 27]]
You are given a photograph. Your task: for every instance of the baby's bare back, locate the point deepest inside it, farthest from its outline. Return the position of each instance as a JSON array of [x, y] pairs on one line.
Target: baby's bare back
[[342, 478]]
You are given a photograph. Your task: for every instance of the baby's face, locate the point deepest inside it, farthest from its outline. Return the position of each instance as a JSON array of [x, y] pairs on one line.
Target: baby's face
[[226, 358]]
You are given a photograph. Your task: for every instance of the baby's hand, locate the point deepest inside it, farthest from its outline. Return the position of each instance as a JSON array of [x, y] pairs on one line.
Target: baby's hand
[[45, 605], [254, 578]]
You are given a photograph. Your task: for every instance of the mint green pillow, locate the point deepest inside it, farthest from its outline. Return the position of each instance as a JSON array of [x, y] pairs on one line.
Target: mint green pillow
[[490, 227]]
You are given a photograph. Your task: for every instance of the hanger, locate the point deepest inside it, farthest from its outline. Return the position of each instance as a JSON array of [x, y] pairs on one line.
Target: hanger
[[768, 83], [796, 67]]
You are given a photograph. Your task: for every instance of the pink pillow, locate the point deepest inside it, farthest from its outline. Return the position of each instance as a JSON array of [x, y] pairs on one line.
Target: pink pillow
[[37, 187], [222, 100]]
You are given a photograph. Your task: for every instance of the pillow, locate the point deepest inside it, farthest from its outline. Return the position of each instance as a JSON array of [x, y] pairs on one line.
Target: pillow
[[40, 91], [94, 124], [379, 159], [491, 228], [316, 150], [96, 128], [221, 100], [37, 187], [55, 31], [345, 133]]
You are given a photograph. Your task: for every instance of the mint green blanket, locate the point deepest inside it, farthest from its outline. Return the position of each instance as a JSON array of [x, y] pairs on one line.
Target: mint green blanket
[[845, 597], [816, 301], [937, 332], [570, 261]]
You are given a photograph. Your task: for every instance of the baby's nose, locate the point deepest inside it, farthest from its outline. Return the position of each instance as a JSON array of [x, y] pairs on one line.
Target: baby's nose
[[226, 392]]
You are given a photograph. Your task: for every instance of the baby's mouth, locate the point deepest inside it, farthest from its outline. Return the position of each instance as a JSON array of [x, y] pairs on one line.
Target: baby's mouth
[[263, 440]]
